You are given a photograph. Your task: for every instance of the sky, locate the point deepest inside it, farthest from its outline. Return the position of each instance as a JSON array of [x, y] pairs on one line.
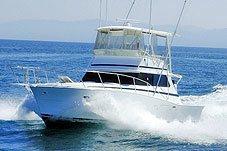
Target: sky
[[208, 14], [203, 24]]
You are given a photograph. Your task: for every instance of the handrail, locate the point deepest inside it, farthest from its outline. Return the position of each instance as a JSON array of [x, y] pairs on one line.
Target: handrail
[[29, 73], [26, 75], [101, 80], [119, 81], [134, 82], [119, 74]]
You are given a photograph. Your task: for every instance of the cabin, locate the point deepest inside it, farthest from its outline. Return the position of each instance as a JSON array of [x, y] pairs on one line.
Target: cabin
[[122, 53]]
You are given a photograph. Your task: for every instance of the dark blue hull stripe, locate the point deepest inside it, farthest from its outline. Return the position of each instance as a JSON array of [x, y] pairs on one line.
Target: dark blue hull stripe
[[121, 65], [171, 94]]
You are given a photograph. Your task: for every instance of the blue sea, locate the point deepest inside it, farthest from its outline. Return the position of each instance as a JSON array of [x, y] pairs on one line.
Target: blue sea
[[204, 82]]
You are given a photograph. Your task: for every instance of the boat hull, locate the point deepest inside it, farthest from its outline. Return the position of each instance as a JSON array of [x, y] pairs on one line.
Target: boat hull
[[75, 104]]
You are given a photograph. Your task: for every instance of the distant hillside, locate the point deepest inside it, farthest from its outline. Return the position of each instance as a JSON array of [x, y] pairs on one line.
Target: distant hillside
[[84, 31]]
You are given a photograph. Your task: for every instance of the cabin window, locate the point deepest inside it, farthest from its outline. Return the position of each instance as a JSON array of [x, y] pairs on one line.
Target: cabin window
[[109, 78], [101, 40], [163, 82], [93, 77], [126, 80], [151, 42], [115, 41], [120, 39], [152, 79]]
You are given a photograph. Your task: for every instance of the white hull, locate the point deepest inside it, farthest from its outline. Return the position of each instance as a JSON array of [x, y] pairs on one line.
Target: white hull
[[70, 104]]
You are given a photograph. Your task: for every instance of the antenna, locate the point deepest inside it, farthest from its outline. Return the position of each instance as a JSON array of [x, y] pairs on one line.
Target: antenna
[[129, 11], [150, 17], [151, 47], [127, 22], [178, 22], [100, 12], [106, 10]]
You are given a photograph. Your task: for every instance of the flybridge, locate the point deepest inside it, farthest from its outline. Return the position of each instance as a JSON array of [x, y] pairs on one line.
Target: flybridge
[[131, 41], [135, 30], [131, 38]]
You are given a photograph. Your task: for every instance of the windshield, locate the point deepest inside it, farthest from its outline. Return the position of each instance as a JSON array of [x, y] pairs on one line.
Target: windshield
[[120, 39]]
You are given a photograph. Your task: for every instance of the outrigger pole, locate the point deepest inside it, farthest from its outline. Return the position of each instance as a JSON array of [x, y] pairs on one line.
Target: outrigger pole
[[169, 44], [178, 22], [150, 27], [100, 12], [129, 12], [106, 11]]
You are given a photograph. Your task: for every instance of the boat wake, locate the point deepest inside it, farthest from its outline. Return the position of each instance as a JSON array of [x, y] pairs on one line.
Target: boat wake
[[11, 109], [212, 128]]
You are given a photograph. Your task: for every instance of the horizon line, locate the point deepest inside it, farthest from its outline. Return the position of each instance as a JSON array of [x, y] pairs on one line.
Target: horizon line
[[54, 41]]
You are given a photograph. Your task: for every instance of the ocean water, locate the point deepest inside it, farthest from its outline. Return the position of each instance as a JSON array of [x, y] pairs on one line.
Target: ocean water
[[204, 82]]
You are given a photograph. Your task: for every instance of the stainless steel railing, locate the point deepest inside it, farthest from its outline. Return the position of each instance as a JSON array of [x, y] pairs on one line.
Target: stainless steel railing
[[32, 75], [118, 77]]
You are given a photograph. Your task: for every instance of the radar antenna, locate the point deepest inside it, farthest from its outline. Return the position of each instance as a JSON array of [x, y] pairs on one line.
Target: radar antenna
[[127, 22]]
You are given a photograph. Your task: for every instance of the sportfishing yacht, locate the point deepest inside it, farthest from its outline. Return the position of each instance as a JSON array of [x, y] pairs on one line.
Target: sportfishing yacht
[[128, 64]]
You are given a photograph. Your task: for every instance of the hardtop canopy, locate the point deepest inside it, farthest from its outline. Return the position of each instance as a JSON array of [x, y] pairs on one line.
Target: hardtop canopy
[[134, 30]]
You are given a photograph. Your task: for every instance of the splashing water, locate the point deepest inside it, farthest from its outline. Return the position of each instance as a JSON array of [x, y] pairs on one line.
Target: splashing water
[[15, 110], [212, 127]]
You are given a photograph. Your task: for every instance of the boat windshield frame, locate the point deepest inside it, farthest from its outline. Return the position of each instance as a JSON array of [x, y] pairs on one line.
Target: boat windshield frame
[[131, 39], [120, 39]]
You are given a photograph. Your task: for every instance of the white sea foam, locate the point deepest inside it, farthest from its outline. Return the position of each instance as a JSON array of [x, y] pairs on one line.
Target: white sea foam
[[212, 128], [11, 109]]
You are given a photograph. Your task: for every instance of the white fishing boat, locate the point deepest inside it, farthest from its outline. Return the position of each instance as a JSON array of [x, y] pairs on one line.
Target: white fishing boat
[[126, 64]]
